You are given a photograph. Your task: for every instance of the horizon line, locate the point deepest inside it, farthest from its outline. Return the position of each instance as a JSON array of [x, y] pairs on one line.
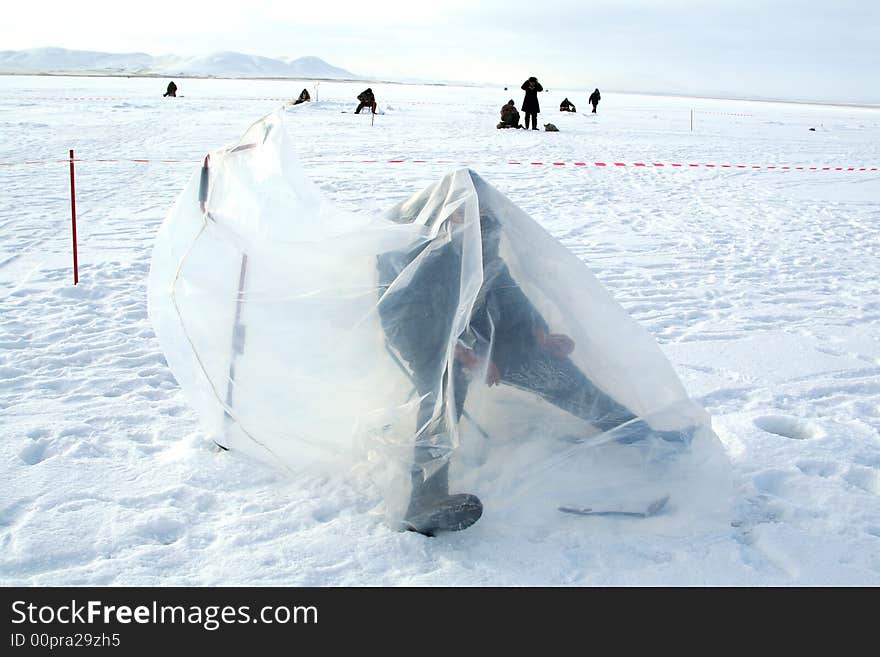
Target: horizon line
[[435, 83]]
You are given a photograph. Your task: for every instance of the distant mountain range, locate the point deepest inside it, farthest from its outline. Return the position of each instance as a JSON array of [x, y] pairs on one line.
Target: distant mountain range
[[218, 65]]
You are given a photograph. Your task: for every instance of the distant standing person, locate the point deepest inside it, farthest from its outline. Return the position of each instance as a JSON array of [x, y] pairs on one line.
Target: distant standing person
[[595, 97], [368, 99], [530, 105], [172, 90]]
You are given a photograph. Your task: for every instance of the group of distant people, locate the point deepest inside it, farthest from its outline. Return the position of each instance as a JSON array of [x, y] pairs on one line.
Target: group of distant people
[[567, 106], [509, 114], [367, 98], [304, 96], [531, 108]]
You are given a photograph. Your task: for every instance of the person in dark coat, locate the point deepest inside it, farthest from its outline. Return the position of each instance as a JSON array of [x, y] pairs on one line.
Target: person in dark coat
[[509, 115], [172, 90], [530, 102], [595, 97], [367, 100], [303, 97], [567, 106]]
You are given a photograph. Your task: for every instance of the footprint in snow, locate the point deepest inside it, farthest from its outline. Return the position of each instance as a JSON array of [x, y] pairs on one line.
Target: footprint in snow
[[817, 468], [36, 452]]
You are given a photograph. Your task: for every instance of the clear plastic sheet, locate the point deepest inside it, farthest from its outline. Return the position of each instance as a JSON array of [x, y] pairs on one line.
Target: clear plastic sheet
[[451, 345]]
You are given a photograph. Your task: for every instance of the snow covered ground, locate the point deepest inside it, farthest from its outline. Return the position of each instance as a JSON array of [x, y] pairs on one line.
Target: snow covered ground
[[762, 286]]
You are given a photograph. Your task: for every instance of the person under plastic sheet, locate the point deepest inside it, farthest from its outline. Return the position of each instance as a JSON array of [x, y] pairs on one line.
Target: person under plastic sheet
[[506, 336]]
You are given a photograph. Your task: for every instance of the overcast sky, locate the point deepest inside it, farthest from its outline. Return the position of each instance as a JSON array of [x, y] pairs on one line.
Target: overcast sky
[[796, 49]]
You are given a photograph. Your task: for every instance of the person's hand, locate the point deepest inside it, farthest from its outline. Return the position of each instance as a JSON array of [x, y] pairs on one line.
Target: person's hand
[[557, 344], [493, 376], [470, 361], [466, 357]]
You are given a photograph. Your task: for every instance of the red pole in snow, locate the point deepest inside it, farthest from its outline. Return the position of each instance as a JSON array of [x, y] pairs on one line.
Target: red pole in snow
[[73, 219]]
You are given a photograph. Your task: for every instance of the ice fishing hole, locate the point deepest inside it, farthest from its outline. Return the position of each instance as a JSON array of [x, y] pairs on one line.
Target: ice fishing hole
[[788, 427]]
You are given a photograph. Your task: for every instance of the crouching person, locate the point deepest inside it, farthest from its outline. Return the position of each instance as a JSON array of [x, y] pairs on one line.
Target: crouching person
[[367, 99], [304, 97], [509, 116]]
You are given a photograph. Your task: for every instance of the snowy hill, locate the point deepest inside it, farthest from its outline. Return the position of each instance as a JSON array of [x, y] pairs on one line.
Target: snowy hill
[[60, 60], [220, 64], [316, 67]]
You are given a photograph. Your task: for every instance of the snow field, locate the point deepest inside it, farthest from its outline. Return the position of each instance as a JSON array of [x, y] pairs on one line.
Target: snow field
[[760, 286]]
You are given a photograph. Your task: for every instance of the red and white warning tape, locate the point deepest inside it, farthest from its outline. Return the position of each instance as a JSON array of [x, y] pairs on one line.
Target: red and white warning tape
[[723, 113], [634, 165], [610, 164]]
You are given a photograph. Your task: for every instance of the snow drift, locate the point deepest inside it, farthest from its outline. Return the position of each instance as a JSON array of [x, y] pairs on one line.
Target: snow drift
[[453, 340]]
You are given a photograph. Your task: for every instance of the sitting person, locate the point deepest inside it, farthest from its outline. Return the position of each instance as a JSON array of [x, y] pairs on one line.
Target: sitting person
[[567, 106], [171, 91], [506, 337], [509, 115], [303, 97], [367, 100]]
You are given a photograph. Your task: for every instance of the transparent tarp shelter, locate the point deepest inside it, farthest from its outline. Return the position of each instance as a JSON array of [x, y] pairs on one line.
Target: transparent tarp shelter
[[451, 339]]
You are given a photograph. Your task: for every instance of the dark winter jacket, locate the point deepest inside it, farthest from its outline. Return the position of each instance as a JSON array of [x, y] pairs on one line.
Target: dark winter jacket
[[172, 90], [530, 102], [418, 317], [509, 115], [595, 97], [367, 96], [304, 97]]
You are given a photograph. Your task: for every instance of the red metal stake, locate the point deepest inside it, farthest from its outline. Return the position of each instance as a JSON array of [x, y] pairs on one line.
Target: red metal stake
[[73, 219]]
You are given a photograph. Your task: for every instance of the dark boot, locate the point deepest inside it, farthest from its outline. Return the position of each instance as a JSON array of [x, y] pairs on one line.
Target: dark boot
[[432, 509], [640, 431]]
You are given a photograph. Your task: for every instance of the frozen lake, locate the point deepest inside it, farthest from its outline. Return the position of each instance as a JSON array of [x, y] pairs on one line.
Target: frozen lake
[[761, 285]]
